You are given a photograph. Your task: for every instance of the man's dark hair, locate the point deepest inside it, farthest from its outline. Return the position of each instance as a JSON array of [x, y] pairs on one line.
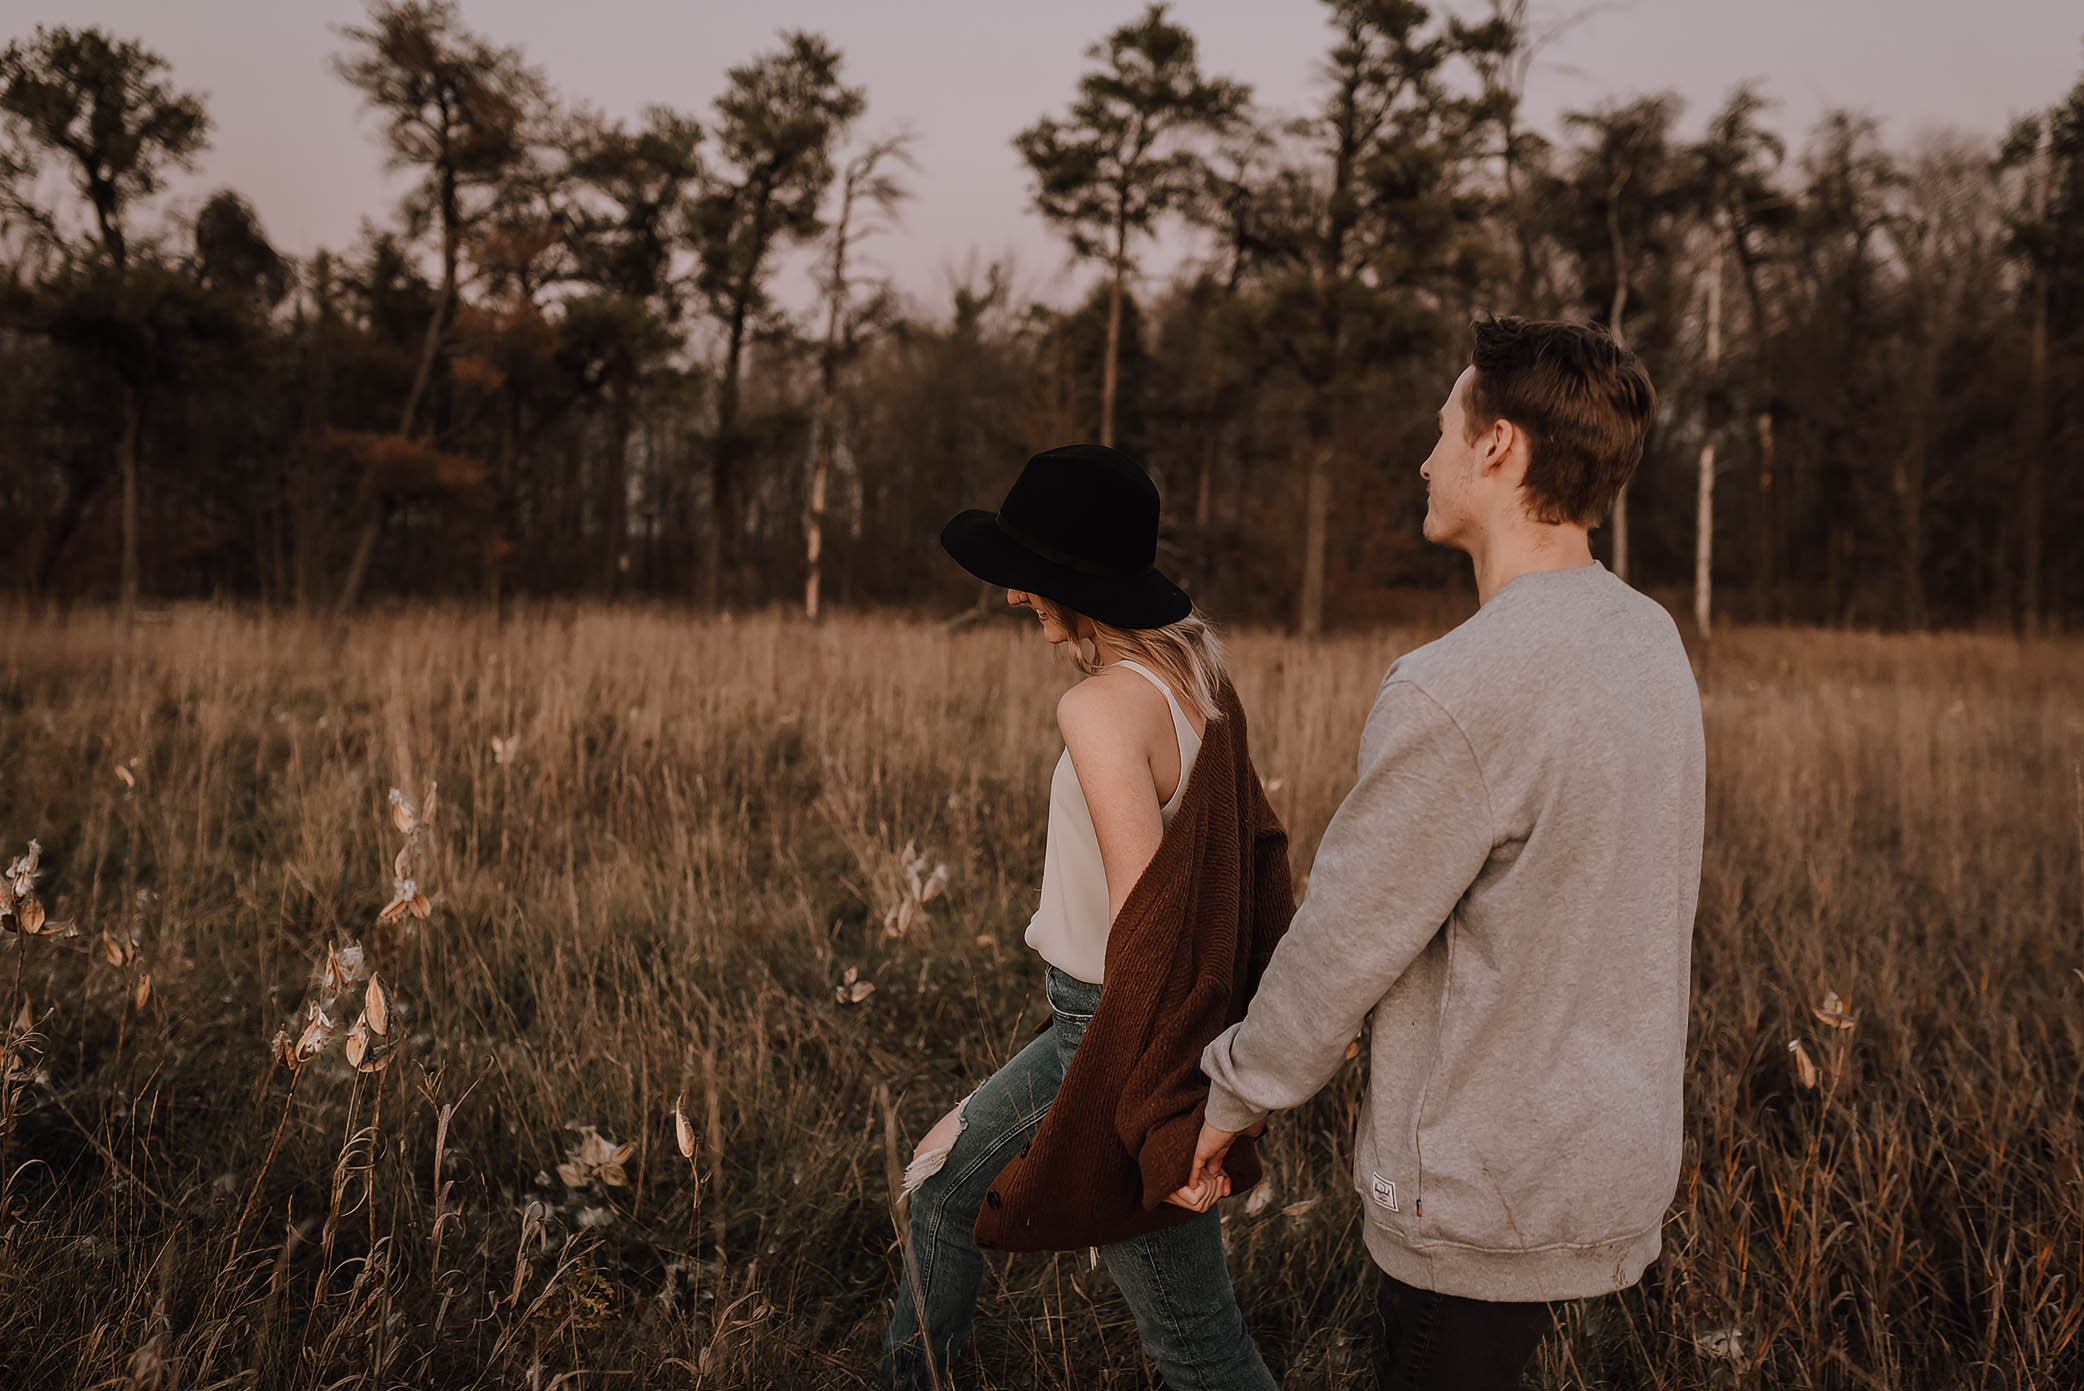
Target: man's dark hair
[[1583, 401]]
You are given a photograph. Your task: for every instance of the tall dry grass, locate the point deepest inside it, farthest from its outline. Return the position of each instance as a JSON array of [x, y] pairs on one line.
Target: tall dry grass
[[647, 899]]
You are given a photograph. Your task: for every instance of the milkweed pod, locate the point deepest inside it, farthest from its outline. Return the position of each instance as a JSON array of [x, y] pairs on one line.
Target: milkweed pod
[[115, 953], [401, 866], [1834, 1013], [30, 914], [427, 810], [318, 1031], [376, 1005], [683, 1132], [335, 976], [421, 908], [1805, 1070], [936, 884], [357, 1047], [124, 776], [142, 994]]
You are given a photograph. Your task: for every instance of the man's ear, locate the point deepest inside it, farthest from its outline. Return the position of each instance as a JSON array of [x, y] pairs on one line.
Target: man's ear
[[1495, 448]]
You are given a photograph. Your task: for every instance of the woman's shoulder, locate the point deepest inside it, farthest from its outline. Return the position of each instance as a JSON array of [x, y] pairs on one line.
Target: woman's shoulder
[[1113, 704]]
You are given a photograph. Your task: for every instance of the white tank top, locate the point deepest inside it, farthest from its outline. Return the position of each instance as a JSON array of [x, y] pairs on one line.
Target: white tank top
[[1069, 929]]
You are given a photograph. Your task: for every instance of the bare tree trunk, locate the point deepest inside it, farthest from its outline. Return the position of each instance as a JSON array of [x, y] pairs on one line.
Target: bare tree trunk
[[1704, 512], [1765, 552], [814, 538], [616, 554], [1109, 372], [1616, 312], [133, 427], [2031, 476], [1316, 525]]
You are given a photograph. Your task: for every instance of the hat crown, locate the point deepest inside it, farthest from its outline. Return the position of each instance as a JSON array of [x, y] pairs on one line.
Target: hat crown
[[1087, 503]]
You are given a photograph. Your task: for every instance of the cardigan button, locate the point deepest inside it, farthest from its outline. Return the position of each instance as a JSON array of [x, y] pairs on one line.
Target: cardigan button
[[992, 1199]]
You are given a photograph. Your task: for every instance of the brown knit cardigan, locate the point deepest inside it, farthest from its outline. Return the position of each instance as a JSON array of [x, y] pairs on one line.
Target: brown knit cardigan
[[1183, 957]]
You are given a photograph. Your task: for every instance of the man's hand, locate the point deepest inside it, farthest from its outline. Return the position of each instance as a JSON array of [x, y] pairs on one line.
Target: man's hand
[[1206, 1181], [1208, 1156]]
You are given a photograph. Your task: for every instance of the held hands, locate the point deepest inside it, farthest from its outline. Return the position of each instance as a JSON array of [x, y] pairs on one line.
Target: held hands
[[1206, 1181]]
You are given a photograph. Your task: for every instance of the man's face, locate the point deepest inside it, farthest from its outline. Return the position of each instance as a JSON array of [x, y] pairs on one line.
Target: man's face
[[1453, 471]]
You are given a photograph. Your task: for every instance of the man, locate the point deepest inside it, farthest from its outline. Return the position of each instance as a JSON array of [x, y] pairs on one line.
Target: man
[[1508, 892]]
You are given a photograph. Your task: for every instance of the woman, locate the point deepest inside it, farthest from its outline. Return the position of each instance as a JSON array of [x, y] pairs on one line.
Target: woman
[[1165, 878]]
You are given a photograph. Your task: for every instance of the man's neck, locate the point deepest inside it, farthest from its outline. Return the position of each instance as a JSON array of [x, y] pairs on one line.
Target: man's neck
[[1509, 551]]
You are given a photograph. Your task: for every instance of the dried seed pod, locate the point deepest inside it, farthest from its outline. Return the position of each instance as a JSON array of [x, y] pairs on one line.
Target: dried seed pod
[[401, 866], [124, 776], [401, 902], [1834, 1012], [142, 994], [334, 974], [29, 913], [421, 908], [376, 1004], [1805, 1070], [282, 1049], [427, 809], [356, 1048], [318, 1031], [116, 953], [403, 814], [683, 1132]]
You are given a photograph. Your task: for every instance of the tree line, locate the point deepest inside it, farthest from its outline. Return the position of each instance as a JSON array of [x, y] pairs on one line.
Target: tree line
[[562, 365]]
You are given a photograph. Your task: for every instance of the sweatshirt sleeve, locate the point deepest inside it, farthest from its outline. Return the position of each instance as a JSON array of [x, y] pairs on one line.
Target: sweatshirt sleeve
[[1395, 860]]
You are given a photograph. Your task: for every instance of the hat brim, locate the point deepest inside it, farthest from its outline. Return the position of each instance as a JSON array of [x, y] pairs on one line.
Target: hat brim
[[1145, 599]]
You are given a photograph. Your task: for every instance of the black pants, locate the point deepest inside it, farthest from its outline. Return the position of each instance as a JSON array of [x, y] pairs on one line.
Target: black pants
[[1436, 1342]]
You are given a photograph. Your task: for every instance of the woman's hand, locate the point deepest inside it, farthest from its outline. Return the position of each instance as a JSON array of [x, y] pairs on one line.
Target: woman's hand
[[1200, 1197]]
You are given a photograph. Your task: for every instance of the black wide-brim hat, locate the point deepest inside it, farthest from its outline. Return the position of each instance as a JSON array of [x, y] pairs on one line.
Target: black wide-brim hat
[[1080, 526]]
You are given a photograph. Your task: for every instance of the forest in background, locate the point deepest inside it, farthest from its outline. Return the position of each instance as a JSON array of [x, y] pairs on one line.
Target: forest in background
[[561, 366]]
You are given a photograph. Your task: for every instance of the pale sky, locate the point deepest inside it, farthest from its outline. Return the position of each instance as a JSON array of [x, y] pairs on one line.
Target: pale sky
[[965, 75]]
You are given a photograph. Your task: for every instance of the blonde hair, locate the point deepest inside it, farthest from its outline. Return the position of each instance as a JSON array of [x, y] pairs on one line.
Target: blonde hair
[[1188, 654]]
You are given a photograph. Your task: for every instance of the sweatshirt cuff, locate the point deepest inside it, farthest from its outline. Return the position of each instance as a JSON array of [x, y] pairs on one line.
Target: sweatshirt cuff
[[1229, 1111]]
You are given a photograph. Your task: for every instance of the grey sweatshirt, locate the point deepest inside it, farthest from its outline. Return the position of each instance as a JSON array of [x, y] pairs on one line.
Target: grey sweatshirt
[[1509, 891]]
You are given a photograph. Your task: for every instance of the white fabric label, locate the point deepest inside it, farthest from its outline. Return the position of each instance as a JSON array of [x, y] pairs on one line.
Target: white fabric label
[[1386, 1193]]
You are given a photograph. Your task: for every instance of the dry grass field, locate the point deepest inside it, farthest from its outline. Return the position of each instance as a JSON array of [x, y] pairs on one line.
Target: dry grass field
[[667, 860]]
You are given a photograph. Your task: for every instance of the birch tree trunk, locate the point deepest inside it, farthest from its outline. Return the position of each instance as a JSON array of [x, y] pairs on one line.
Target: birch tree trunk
[[1704, 514]]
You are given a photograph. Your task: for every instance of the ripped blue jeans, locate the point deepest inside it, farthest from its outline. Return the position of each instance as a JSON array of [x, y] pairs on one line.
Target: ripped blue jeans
[[1176, 1281]]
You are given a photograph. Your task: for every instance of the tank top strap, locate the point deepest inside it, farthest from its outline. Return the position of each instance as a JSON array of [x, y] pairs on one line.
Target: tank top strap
[[1182, 728]]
